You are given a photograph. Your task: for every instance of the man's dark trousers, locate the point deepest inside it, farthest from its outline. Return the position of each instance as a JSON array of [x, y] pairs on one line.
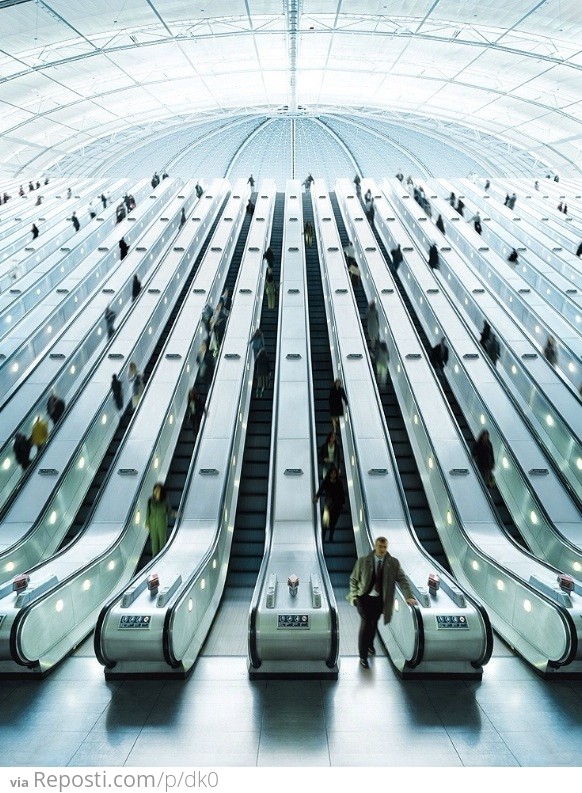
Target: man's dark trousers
[[369, 609]]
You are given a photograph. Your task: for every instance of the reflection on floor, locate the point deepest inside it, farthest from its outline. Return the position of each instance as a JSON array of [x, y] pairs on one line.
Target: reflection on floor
[[219, 718]]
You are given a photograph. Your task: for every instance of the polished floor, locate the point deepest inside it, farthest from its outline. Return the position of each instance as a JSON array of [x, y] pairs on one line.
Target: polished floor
[[218, 718]]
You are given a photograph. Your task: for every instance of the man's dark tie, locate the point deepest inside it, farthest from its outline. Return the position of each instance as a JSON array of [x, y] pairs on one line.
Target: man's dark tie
[[378, 582]]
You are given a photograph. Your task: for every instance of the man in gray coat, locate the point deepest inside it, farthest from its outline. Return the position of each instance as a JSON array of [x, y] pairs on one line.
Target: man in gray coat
[[372, 585]]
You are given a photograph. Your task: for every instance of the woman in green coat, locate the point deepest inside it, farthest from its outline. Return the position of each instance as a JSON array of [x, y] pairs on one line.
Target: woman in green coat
[[158, 515]]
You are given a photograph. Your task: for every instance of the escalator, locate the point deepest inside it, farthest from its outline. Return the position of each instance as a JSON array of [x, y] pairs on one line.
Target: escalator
[[249, 526], [416, 500], [182, 455], [417, 503], [340, 554]]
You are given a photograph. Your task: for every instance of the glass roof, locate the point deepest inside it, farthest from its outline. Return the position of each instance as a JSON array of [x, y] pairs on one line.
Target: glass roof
[[72, 73]]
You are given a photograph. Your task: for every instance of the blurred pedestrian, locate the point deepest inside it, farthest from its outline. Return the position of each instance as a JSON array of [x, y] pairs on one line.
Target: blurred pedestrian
[[328, 454], [485, 333], [117, 391], [476, 220], [135, 377], [55, 407], [123, 249], [336, 399], [217, 327], [158, 516], [350, 253], [135, 288], [492, 348], [270, 289], [39, 432], [225, 302], [550, 351], [332, 489], [109, 316], [373, 324], [484, 457], [22, 448], [269, 257], [396, 256], [382, 360], [439, 355], [196, 409], [262, 371], [257, 342]]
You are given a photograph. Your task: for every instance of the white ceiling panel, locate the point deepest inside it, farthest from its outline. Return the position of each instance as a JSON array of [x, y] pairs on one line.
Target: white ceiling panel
[[498, 65], [26, 25], [11, 117]]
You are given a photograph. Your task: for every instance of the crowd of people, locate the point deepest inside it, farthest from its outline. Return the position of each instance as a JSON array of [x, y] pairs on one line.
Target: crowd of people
[[330, 457], [331, 489], [263, 370], [24, 444], [125, 206], [156, 179]]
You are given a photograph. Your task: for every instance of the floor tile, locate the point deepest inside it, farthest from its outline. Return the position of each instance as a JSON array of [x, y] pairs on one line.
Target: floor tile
[[485, 748], [531, 749], [54, 748], [98, 755], [187, 748], [75, 717]]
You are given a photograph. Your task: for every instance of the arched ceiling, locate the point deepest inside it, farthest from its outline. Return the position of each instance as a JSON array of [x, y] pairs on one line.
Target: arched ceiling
[[71, 71]]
